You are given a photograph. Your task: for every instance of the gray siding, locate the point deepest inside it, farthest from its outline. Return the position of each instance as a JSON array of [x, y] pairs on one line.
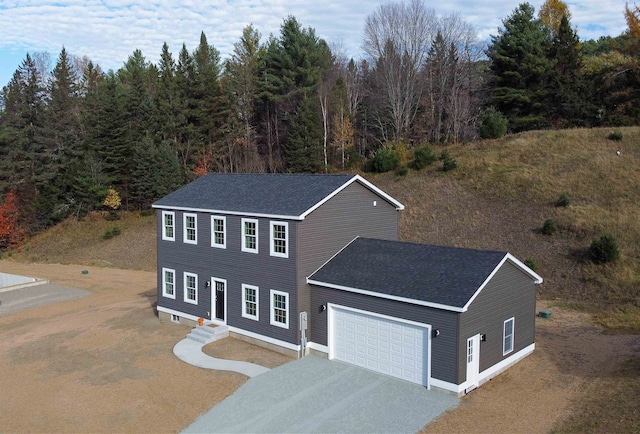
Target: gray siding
[[510, 293], [325, 231], [236, 267], [443, 349]]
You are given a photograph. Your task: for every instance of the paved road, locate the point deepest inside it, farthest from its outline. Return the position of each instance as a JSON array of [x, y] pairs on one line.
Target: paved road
[[39, 295], [318, 395]]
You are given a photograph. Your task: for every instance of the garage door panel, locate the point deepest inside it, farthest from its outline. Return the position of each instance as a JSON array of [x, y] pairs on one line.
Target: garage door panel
[[381, 344]]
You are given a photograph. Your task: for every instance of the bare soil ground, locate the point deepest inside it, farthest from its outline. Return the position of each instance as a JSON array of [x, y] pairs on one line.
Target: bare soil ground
[[104, 363]]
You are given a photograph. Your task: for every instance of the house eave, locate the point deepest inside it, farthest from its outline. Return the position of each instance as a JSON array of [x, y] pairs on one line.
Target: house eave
[[226, 212], [386, 296]]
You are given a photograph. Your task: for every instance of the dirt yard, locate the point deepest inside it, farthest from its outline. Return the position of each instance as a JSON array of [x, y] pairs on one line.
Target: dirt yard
[[104, 363]]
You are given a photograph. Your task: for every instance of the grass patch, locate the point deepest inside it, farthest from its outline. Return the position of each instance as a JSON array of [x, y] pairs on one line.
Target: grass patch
[[609, 404]]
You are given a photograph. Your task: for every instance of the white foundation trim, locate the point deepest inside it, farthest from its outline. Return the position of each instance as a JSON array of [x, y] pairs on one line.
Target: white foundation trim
[[318, 347], [273, 341], [176, 312]]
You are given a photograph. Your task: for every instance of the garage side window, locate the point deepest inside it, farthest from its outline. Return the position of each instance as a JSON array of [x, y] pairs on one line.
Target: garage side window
[[190, 229], [191, 288], [250, 301], [169, 283], [279, 309], [507, 346], [168, 226]]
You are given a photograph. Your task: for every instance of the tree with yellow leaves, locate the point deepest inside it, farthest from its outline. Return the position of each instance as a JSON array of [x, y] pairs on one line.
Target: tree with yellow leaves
[[551, 14], [112, 200]]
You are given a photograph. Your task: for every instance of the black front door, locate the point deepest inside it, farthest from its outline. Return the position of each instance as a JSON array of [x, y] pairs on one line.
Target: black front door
[[219, 294]]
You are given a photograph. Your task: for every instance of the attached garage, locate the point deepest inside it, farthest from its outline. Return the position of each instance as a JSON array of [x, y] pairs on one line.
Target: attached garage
[[383, 344], [443, 317]]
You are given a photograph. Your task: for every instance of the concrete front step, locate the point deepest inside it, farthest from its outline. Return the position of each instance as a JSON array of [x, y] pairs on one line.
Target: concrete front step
[[206, 334]]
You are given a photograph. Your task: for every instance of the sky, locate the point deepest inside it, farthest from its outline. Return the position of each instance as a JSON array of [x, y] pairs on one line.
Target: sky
[[108, 31]]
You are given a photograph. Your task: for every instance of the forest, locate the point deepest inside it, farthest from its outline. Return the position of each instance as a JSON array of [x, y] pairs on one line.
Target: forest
[[74, 138]]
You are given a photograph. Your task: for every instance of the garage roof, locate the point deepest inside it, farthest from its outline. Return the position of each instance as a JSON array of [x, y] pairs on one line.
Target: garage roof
[[437, 276], [266, 195]]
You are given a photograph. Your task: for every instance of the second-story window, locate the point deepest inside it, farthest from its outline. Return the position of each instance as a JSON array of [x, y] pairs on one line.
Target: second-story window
[[279, 239], [250, 235], [168, 226], [218, 232], [190, 233]]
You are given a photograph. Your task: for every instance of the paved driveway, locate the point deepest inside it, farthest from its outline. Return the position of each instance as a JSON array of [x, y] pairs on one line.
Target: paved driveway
[[318, 395]]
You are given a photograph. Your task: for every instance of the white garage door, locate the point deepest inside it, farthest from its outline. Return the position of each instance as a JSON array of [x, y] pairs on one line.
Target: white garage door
[[381, 344]]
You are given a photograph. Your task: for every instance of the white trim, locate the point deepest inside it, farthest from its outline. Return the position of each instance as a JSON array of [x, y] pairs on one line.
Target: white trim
[[243, 246], [331, 308], [164, 283], [177, 312], [318, 347], [365, 183], [508, 257], [504, 334], [184, 288], [255, 317], [272, 320], [185, 216], [224, 231], [214, 312], [272, 252], [302, 216], [385, 296], [268, 339], [487, 374], [164, 226]]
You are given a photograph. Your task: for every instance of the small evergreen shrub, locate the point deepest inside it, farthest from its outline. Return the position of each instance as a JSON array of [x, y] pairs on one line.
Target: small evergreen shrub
[[448, 162], [423, 156], [493, 124], [112, 216], [549, 227], [616, 136], [531, 263], [604, 249], [563, 201], [401, 170], [110, 233], [385, 161]]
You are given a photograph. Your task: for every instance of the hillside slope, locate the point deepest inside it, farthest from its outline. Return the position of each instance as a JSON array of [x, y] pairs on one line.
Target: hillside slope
[[498, 198]]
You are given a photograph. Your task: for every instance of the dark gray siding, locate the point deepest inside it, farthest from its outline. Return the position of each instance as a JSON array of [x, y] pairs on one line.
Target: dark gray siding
[[233, 265], [325, 231], [444, 348], [510, 293]]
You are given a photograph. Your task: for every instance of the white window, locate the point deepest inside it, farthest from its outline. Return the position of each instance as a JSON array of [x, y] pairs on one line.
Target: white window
[[218, 232], [250, 235], [190, 234], [168, 226], [190, 288], [169, 283], [507, 345], [279, 309], [250, 300], [279, 239], [175, 318]]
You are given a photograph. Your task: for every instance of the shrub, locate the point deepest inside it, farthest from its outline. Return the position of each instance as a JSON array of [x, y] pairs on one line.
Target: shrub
[[401, 170], [549, 227], [110, 233], [385, 160], [423, 156], [493, 124], [616, 136], [448, 162], [604, 249], [531, 263], [563, 201]]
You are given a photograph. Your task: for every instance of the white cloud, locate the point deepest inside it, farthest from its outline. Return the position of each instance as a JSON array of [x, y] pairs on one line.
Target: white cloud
[[108, 31]]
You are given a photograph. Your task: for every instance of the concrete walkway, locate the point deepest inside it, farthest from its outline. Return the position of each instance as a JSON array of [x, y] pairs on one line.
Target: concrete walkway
[[314, 395], [190, 351]]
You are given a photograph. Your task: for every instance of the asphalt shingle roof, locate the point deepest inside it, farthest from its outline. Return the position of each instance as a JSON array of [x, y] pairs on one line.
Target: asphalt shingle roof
[[434, 274], [268, 194]]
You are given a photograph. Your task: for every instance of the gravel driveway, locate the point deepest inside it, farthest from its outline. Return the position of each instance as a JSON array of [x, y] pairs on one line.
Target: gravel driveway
[[318, 395]]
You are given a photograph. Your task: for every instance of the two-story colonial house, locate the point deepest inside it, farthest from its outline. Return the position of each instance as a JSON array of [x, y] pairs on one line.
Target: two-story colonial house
[[302, 263]]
